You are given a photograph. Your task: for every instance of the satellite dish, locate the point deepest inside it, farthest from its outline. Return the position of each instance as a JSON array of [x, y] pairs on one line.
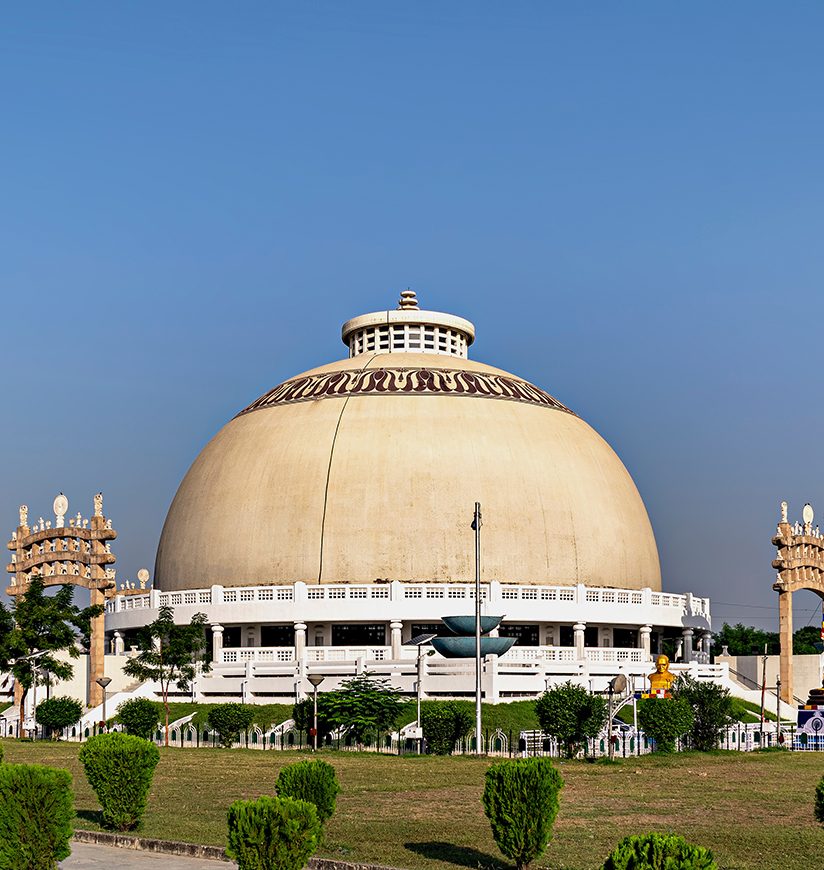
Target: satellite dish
[[807, 514], [61, 505], [143, 575]]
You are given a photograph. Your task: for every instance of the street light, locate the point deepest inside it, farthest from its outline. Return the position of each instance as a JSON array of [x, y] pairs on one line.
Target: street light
[[103, 682], [616, 685], [315, 680], [420, 641]]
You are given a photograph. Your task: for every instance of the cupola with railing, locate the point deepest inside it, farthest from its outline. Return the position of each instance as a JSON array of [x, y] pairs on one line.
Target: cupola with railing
[[408, 329]]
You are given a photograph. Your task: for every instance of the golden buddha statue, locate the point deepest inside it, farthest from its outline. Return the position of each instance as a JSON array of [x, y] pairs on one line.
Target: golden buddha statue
[[661, 678]]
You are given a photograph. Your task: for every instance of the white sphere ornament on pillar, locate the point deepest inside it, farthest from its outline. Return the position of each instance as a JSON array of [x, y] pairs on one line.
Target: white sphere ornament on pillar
[[61, 505]]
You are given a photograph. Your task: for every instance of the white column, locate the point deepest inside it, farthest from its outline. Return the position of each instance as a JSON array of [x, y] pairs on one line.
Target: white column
[[300, 640], [579, 628], [396, 628], [217, 643], [645, 631], [686, 634], [118, 643], [706, 641]]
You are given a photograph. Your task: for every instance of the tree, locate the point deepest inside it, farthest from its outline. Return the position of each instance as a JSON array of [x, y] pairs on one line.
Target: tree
[[304, 715], [139, 717], [571, 714], [444, 723], [711, 707], [364, 705], [170, 653], [807, 641], [44, 625], [665, 720], [55, 714], [228, 720], [744, 640]]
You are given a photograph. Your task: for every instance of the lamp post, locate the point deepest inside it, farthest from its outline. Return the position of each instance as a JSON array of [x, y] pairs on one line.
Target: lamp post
[[476, 527], [103, 682], [420, 641], [778, 711], [315, 680]]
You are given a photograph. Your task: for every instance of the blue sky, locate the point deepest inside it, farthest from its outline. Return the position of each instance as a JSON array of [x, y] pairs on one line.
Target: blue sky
[[627, 199]]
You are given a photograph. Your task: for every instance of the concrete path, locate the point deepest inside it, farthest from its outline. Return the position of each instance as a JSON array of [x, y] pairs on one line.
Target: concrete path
[[87, 857]]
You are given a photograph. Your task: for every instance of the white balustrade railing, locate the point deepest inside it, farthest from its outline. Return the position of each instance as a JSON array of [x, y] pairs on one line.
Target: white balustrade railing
[[443, 592]]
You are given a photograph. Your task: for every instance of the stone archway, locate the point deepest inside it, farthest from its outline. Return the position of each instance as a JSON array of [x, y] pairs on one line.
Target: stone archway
[[800, 565]]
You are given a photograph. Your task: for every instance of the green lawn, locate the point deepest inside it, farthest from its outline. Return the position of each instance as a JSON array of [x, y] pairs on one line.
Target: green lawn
[[754, 810]]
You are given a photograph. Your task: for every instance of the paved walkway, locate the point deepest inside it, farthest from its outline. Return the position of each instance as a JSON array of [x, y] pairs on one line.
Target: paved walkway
[[87, 857]]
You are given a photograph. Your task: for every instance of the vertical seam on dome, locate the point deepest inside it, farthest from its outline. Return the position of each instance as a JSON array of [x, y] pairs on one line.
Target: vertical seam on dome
[[329, 472]]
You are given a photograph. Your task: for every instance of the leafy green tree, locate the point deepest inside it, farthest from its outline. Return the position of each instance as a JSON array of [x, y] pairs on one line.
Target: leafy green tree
[[304, 715], [521, 802], [170, 653], [139, 717], [711, 708], [570, 714], [228, 720], [807, 641], [44, 625], [364, 705], [444, 723], [55, 714], [665, 720], [744, 640]]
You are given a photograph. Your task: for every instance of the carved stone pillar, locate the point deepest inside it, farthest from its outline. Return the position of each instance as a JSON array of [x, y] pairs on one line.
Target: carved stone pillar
[[97, 650], [785, 634]]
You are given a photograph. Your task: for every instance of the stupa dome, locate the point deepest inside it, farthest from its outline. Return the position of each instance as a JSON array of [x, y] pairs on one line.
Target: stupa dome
[[369, 468]]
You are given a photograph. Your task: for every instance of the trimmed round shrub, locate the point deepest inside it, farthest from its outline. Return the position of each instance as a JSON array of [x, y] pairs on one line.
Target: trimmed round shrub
[[119, 768], [36, 815], [139, 717], [229, 720], [659, 852], [312, 781], [665, 720], [818, 808], [521, 802], [55, 714], [272, 833]]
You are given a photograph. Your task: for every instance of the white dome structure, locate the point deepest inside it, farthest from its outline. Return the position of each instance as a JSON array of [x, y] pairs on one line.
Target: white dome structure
[[369, 468], [328, 524]]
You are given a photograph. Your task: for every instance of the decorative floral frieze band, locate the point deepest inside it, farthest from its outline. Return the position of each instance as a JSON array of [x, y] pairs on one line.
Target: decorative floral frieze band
[[435, 382]]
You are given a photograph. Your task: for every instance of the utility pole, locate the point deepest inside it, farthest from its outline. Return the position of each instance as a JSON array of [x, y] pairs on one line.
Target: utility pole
[[763, 688], [476, 525]]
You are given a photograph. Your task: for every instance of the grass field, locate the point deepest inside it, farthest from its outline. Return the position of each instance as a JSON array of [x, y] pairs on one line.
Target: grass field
[[753, 809]]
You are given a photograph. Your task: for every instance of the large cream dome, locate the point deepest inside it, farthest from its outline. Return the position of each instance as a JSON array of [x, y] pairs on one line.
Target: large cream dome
[[369, 468]]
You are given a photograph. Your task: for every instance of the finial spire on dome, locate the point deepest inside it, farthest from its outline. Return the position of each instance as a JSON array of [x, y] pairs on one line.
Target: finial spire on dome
[[408, 301]]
